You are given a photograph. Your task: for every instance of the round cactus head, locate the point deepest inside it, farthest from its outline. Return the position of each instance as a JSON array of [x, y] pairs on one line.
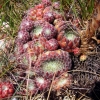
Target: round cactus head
[[52, 66], [63, 81], [51, 44], [49, 17], [37, 30], [26, 24], [68, 36], [43, 29], [23, 37], [53, 62], [41, 83], [6, 89], [49, 31]]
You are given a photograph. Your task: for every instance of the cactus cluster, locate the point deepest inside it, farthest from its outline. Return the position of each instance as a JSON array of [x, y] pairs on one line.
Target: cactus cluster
[[38, 47], [48, 52]]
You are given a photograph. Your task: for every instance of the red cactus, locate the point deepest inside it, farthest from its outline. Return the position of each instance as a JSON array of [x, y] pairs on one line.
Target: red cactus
[[52, 44], [31, 14], [65, 80], [44, 29], [49, 17], [23, 37], [41, 83], [49, 31], [39, 45], [26, 24], [53, 62], [35, 13], [68, 37], [6, 89], [38, 28]]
